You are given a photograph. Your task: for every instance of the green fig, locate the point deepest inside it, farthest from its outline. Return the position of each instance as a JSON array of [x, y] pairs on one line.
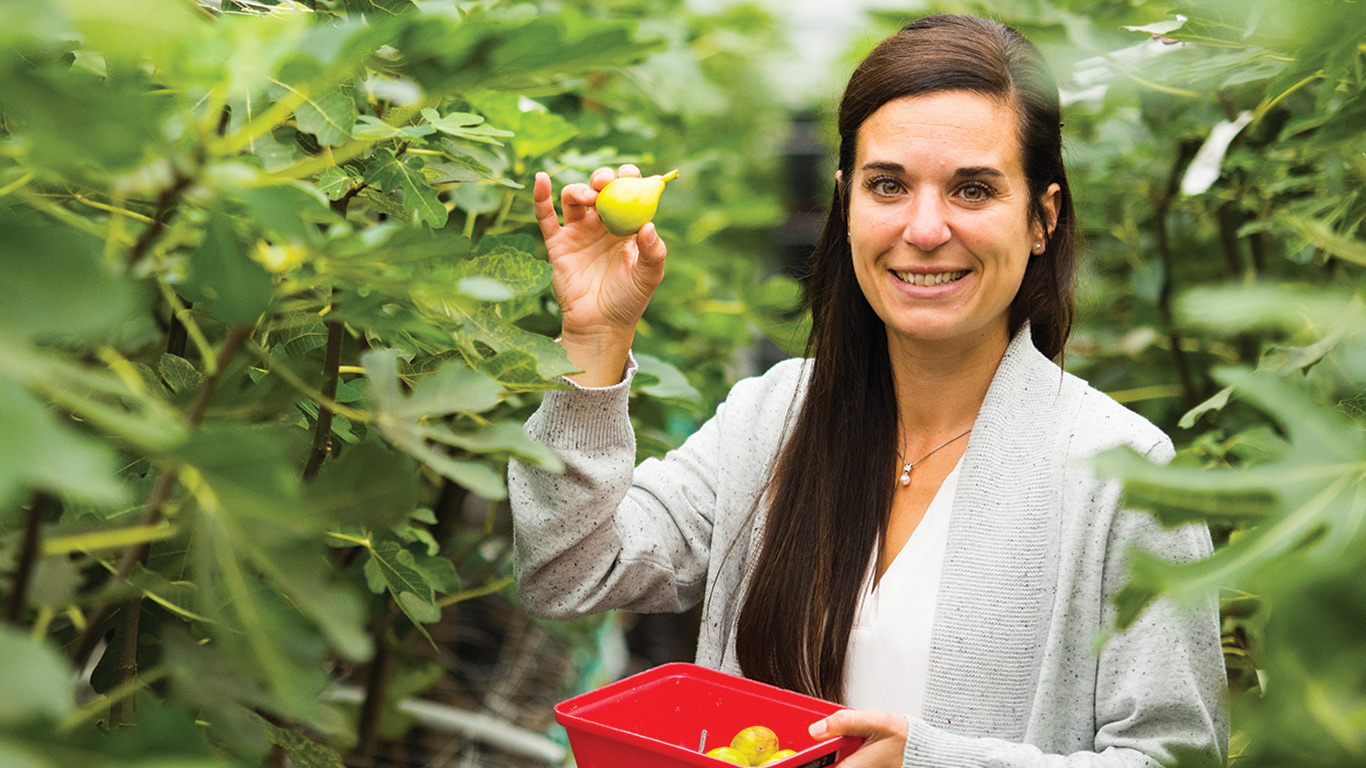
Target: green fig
[[627, 203]]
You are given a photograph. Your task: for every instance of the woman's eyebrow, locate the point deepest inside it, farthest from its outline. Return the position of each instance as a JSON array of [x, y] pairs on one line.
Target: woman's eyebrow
[[972, 171], [979, 170], [884, 165]]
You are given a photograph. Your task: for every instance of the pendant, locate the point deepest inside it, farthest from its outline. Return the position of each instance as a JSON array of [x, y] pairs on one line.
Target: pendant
[[905, 478]]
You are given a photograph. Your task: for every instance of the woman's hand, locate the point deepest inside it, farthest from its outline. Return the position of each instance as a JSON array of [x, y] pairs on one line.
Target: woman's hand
[[602, 282], [884, 736]]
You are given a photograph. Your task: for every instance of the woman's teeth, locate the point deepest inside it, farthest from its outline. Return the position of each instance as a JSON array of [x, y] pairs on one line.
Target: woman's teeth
[[924, 281]]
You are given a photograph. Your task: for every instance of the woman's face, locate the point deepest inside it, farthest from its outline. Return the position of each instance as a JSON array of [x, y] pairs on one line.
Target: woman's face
[[939, 217]]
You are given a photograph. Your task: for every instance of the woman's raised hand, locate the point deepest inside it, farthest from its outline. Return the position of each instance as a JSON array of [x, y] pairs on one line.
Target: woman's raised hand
[[602, 282]]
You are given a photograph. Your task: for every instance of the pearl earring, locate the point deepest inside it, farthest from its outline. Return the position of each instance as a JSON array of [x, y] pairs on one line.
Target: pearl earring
[[1038, 247]]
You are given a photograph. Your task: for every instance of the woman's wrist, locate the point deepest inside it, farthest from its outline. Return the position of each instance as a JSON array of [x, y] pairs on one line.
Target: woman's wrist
[[600, 357]]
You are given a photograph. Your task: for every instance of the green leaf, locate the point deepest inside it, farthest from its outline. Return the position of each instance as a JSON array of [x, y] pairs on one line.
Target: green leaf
[[116, 401], [298, 333], [251, 480], [372, 128], [499, 437], [439, 571], [669, 382], [329, 117], [1180, 495], [56, 283], [178, 373], [484, 325], [303, 752], [306, 578], [224, 281], [452, 389], [466, 126], [38, 451], [484, 289], [1227, 311], [290, 213], [35, 682], [1322, 236], [408, 584], [333, 182], [386, 172], [379, 7], [537, 130], [517, 370], [520, 273], [80, 123], [366, 484], [1215, 403]]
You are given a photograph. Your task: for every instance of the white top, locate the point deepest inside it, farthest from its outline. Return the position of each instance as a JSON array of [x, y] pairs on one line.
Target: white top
[[888, 662]]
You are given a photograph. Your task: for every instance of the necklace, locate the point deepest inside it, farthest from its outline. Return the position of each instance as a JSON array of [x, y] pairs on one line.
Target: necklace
[[907, 466]]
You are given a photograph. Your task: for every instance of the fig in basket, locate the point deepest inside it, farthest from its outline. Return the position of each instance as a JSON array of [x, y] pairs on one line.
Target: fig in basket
[[728, 754], [756, 743]]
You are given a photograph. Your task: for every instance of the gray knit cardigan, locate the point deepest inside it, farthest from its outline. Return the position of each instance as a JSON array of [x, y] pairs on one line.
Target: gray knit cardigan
[[1037, 548]]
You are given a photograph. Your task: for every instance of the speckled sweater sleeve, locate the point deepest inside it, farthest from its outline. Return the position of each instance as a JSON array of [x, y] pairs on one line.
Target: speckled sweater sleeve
[[1159, 683], [597, 536]]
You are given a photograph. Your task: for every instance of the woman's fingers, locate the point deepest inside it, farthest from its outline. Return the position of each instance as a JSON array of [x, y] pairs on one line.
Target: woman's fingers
[[868, 723], [628, 170], [651, 248], [883, 733], [545, 209], [600, 178], [575, 199]]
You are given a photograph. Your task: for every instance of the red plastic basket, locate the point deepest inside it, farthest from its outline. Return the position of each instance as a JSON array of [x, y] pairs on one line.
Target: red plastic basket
[[655, 719]]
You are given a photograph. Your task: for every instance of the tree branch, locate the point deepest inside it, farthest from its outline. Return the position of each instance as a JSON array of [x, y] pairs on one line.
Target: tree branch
[[28, 557], [177, 336], [165, 207], [322, 433], [161, 494], [1185, 152], [376, 695]]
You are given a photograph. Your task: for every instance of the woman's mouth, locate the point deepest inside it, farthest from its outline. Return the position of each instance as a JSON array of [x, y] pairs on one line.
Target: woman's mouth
[[931, 279]]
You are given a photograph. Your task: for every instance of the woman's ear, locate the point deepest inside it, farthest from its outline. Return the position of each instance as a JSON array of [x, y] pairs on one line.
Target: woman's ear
[[1049, 202]]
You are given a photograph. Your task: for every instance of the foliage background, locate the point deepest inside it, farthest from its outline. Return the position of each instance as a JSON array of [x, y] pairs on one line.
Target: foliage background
[[276, 310]]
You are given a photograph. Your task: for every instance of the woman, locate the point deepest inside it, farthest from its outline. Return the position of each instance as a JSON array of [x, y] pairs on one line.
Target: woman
[[905, 522]]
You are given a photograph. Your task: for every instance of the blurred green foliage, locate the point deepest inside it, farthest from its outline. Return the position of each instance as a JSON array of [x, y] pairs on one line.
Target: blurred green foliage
[[276, 309]]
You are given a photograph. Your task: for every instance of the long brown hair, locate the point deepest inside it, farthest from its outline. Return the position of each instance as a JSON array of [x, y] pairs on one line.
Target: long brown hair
[[831, 489]]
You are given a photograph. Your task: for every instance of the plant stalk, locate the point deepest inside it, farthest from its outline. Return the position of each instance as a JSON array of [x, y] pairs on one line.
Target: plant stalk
[[177, 337], [376, 695], [165, 206], [322, 433], [1185, 153], [123, 649], [28, 557]]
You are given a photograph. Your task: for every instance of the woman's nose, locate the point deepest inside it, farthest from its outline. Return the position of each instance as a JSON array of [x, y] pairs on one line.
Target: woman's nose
[[927, 225]]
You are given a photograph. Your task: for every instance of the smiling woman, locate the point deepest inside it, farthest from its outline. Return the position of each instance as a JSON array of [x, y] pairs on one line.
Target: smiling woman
[[939, 219], [844, 538]]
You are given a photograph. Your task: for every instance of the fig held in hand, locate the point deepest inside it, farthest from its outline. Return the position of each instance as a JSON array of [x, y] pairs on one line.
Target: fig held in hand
[[627, 203]]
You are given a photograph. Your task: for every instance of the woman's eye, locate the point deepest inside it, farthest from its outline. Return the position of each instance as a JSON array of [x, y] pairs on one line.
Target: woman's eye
[[884, 186], [975, 192]]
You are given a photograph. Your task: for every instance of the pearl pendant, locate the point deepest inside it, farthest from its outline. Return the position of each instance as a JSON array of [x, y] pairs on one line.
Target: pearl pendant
[[905, 478]]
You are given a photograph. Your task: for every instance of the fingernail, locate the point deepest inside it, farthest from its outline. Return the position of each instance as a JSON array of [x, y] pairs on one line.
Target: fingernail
[[818, 730]]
